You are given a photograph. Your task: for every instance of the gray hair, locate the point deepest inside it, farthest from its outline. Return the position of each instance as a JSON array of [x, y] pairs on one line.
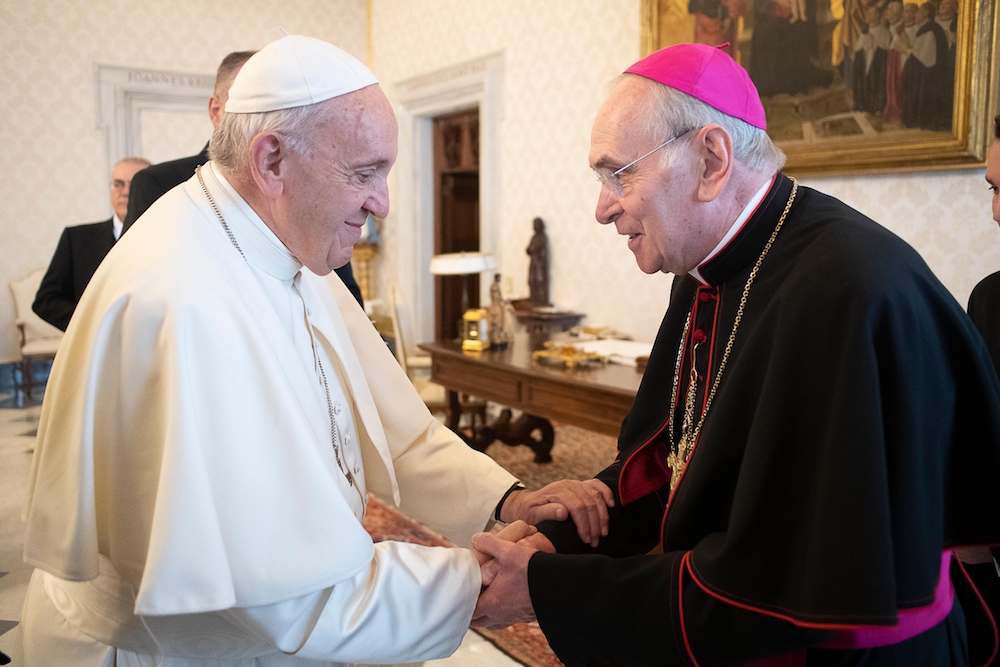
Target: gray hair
[[133, 160], [230, 145], [671, 111]]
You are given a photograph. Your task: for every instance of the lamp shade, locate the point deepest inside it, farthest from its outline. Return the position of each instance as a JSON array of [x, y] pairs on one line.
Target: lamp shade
[[461, 263]]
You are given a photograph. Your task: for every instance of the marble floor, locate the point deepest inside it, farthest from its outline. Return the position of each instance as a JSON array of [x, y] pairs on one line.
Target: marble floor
[[18, 424]]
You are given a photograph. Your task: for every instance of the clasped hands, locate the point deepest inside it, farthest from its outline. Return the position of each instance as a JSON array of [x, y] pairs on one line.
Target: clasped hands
[[503, 557]]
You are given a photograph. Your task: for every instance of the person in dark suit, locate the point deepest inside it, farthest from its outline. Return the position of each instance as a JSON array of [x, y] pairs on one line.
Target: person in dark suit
[[152, 183], [984, 309], [81, 248]]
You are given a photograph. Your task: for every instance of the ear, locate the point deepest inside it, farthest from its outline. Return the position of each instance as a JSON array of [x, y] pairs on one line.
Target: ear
[[216, 107], [267, 164], [716, 148]]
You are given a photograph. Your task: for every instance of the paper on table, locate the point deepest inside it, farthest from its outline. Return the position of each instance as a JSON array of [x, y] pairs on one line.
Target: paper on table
[[624, 352]]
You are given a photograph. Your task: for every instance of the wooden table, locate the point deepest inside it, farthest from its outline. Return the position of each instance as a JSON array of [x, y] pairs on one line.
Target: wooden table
[[592, 396]]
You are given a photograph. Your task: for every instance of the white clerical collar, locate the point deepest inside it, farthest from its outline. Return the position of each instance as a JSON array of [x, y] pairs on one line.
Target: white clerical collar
[[735, 228], [116, 227], [259, 244]]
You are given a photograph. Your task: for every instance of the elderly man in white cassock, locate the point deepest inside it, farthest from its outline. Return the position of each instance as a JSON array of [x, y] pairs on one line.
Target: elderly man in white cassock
[[218, 414]]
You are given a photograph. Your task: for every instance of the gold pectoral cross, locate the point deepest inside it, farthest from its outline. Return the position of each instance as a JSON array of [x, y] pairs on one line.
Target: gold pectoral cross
[[676, 462]]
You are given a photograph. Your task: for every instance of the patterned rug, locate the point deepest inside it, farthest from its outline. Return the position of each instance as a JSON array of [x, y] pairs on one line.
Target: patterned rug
[[577, 454]]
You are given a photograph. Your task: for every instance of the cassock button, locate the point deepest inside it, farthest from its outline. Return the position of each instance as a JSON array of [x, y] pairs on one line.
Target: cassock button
[[347, 440], [705, 296], [337, 409], [699, 336], [357, 468]]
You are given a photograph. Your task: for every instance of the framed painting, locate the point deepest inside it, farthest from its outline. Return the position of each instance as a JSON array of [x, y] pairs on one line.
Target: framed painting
[[856, 86]]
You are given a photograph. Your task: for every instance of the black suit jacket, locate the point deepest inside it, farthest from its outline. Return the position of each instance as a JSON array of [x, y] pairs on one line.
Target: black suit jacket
[[81, 248], [154, 181]]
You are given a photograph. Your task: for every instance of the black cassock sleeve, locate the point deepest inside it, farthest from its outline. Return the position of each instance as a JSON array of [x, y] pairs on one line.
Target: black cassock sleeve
[[647, 610], [613, 605]]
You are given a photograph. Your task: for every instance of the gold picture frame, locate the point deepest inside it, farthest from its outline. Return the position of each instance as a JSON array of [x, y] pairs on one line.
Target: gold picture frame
[[877, 145]]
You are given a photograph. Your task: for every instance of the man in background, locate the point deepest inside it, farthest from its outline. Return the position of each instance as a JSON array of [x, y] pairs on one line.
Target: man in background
[[817, 429], [151, 184], [81, 248], [984, 309]]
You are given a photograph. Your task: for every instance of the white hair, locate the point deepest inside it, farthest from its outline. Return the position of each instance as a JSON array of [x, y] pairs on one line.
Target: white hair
[[671, 111], [134, 160], [230, 145]]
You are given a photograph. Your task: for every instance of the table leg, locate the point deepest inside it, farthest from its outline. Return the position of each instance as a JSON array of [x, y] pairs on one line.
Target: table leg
[[521, 431], [454, 410]]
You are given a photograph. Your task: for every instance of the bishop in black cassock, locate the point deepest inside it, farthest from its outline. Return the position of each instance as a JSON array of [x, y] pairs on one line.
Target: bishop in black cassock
[[816, 433]]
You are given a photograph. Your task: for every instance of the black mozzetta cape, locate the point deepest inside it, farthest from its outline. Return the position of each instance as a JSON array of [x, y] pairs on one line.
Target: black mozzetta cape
[[855, 435]]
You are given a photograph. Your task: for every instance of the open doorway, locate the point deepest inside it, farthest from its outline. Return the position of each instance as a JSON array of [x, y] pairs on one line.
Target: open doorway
[[456, 213]]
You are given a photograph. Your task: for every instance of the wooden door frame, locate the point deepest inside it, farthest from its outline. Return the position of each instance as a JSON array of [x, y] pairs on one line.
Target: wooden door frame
[[475, 83]]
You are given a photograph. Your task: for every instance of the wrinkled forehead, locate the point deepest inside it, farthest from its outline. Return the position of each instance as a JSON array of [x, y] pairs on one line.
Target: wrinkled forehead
[[993, 163], [360, 126], [622, 120]]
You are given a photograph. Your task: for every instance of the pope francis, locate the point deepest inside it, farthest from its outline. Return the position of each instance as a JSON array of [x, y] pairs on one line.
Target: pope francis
[[218, 414]]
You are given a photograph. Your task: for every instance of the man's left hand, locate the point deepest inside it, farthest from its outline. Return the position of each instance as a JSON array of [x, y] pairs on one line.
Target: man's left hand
[[587, 502]]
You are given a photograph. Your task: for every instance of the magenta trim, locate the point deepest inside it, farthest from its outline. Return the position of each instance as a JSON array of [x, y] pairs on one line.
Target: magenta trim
[[910, 623], [790, 660]]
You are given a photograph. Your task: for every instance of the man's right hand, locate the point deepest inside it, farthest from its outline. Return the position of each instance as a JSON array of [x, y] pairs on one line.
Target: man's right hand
[[587, 502]]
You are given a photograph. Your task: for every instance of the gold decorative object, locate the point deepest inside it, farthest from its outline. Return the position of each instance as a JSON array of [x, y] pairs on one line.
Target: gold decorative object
[[362, 264], [475, 330], [566, 354]]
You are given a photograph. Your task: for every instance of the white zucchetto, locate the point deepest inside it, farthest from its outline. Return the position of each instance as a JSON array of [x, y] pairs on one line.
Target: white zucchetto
[[295, 71]]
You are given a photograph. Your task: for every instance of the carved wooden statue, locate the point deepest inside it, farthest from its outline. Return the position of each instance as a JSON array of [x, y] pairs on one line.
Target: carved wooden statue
[[538, 268]]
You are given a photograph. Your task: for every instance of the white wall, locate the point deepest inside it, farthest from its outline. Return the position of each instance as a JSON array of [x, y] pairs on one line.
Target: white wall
[[559, 55], [53, 158]]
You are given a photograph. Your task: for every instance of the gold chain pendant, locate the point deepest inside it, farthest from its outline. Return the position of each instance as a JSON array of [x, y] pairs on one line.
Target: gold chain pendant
[[677, 459]]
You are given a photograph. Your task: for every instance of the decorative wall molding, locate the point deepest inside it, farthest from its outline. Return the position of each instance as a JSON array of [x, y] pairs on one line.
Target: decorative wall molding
[[474, 83], [122, 93]]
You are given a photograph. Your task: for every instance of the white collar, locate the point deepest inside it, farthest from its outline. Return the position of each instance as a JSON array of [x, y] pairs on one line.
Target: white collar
[[259, 244], [735, 228]]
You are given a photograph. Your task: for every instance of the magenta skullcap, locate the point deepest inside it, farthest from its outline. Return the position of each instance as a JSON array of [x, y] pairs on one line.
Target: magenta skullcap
[[708, 73]]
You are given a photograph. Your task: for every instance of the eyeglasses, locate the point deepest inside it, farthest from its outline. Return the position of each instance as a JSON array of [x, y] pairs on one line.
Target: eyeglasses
[[119, 184], [609, 179]]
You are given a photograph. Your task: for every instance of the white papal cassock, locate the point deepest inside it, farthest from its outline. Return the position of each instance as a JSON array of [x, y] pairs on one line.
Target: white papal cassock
[[185, 499]]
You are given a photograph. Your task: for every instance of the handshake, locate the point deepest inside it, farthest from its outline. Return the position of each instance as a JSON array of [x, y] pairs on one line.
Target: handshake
[[503, 557]]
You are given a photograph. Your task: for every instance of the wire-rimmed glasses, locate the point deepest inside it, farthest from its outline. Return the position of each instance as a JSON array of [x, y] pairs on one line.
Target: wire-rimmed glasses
[[609, 179]]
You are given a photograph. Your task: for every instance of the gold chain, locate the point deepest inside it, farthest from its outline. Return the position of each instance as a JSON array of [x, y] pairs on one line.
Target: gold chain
[[680, 452], [334, 431]]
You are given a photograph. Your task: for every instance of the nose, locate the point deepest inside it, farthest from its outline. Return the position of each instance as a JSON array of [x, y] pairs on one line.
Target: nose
[[608, 206], [378, 202]]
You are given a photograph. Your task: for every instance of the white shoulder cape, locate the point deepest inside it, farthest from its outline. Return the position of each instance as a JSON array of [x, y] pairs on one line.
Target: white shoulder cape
[[174, 438]]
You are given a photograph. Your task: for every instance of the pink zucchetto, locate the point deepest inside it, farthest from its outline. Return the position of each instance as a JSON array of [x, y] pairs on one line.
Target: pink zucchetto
[[708, 73], [295, 71]]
